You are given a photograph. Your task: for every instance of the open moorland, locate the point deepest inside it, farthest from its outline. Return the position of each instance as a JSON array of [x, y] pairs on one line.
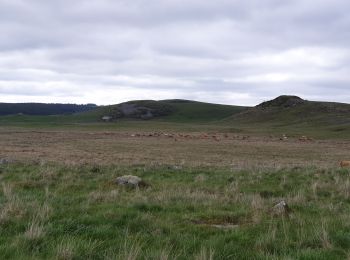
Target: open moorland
[[211, 189], [76, 147]]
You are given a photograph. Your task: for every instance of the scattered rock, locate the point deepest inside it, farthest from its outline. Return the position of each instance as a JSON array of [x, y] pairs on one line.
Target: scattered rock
[[145, 109], [281, 209], [131, 181], [305, 138], [106, 118], [225, 226], [175, 167], [284, 101], [284, 137], [4, 161]]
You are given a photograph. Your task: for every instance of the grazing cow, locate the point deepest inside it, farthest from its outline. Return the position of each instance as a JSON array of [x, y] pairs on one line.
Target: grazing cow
[[303, 138], [345, 164], [284, 137]]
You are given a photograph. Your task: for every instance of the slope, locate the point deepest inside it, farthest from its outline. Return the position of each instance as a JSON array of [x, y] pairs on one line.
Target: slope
[[293, 114], [175, 110]]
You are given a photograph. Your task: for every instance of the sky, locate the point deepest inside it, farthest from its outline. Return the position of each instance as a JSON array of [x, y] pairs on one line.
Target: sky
[[223, 51]]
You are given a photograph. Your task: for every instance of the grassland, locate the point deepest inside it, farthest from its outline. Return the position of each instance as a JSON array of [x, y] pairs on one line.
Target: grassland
[[51, 211], [213, 184], [210, 198], [74, 147]]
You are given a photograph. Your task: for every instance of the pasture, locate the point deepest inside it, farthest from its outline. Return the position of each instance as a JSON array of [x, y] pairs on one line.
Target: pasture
[[211, 194]]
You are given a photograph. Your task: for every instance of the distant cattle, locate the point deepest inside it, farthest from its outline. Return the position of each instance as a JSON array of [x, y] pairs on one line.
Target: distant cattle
[[284, 137], [345, 164], [303, 139]]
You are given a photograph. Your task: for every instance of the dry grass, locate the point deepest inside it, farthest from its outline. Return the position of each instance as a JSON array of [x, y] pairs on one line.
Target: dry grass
[[101, 196], [98, 147], [13, 207], [67, 206], [131, 249], [65, 250], [35, 230], [205, 254]]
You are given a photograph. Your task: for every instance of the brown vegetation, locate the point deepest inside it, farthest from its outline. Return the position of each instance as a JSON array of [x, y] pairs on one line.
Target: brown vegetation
[[219, 149], [345, 163]]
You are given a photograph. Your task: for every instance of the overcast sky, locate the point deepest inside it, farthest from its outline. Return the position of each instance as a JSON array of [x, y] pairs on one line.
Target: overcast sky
[[222, 51]]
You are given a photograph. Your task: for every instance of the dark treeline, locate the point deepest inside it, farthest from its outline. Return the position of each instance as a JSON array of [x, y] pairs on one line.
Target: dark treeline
[[42, 108]]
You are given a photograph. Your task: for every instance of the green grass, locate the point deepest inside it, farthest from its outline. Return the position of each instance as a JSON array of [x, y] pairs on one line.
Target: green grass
[[78, 212], [190, 116], [48, 121], [180, 111], [200, 112]]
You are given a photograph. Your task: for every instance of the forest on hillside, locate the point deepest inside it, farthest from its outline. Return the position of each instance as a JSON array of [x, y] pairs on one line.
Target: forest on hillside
[[43, 108]]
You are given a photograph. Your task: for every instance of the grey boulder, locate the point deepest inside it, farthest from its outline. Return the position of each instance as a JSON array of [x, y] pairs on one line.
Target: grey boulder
[[131, 181]]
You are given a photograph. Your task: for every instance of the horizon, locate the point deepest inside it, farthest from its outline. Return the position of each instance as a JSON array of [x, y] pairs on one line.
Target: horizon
[[227, 52], [89, 103]]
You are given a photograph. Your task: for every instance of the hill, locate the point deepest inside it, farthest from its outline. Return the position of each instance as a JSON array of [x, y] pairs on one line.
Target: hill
[[285, 114], [294, 113], [294, 110], [175, 110], [43, 108]]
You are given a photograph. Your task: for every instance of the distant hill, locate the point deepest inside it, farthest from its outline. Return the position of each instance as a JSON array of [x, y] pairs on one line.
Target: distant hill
[[294, 112], [170, 110], [43, 109], [284, 114]]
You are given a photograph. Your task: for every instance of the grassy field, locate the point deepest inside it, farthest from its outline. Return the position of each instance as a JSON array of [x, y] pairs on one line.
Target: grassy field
[[211, 194], [214, 178], [51, 211]]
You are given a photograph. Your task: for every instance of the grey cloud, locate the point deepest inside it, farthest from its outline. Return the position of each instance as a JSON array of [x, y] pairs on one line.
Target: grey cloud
[[220, 51]]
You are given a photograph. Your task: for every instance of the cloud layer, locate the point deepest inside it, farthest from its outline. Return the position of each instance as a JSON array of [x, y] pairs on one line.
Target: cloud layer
[[225, 51]]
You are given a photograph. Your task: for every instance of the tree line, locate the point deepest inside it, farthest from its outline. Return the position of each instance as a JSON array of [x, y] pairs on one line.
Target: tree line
[[43, 108]]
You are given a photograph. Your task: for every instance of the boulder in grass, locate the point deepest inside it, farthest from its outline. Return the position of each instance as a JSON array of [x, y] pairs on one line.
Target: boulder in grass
[[4, 161], [281, 209], [131, 181]]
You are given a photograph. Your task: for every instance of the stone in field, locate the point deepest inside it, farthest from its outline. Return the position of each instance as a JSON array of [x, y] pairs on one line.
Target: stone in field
[[131, 181], [3, 161], [281, 209]]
